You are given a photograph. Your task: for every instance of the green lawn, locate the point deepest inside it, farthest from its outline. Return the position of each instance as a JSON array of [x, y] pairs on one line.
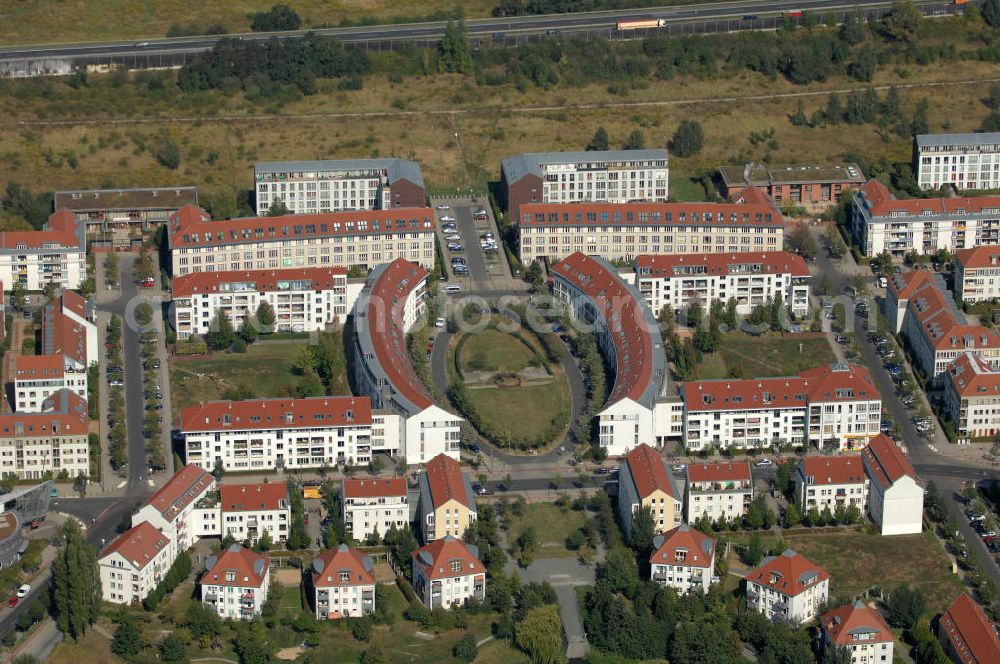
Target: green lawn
[[499, 652], [766, 355], [492, 350], [524, 412], [552, 525]]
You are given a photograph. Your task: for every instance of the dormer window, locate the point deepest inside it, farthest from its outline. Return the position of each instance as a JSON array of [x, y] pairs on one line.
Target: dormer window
[[230, 576], [680, 554], [456, 566], [345, 577]]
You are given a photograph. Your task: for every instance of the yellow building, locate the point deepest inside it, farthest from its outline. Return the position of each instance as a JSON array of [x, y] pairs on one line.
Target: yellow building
[[644, 481], [447, 504]]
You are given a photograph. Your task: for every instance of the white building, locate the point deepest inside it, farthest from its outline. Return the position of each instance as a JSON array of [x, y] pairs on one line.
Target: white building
[[830, 482], [303, 300], [645, 482], [343, 584], [965, 161], [134, 564], [306, 187], [447, 572], [752, 279], [972, 397], [247, 511], [373, 506], [882, 223], [38, 377], [895, 498], [50, 441], [718, 490], [788, 588], [57, 254], [171, 509], [235, 584], [642, 406], [392, 302], [332, 239], [268, 434], [82, 315], [860, 630], [835, 405], [977, 274], [684, 559]]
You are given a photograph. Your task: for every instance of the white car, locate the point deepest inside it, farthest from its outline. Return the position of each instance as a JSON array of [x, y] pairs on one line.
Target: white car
[[439, 322], [680, 467], [453, 237], [23, 591], [447, 218], [764, 463], [444, 206]]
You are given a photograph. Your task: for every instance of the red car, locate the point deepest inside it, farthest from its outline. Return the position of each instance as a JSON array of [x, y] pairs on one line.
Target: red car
[[12, 601]]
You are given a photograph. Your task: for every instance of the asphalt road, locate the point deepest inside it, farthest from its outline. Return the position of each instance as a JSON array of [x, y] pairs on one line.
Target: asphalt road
[[434, 30]]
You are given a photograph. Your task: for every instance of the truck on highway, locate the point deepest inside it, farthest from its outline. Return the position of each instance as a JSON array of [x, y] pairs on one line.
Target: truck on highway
[[643, 23]]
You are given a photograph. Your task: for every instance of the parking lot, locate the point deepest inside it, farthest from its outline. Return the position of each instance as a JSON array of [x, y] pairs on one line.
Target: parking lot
[[470, 243]]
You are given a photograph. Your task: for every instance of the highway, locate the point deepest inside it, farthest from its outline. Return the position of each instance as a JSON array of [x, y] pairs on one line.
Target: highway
[[479, 29]]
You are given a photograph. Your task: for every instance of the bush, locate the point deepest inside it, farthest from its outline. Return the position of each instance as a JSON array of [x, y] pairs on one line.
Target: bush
[[688, 139], [168, 153], [239, 346], [466, 648], [280, 17]]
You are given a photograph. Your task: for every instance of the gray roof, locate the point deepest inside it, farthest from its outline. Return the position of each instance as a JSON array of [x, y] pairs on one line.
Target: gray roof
[[395, 168], [943, 140], [153, 198], [526, 163]]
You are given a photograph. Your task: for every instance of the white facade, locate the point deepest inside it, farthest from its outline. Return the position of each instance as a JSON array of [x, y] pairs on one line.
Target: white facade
[[966, 161], [972, 397], [895, 499], [788, 588], [343, 584], [34, 384], [33, 444], [235, 583], [56, 254], [236, 602], [171, 510], [683, 559], [447, 572], [247, 511], [374, 506], [831, 482], [717, 491], [133, 564], [977, 274]]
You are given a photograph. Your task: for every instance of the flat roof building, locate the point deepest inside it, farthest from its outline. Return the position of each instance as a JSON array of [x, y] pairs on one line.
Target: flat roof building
[[132, 210], [811, 186], [965, 161]]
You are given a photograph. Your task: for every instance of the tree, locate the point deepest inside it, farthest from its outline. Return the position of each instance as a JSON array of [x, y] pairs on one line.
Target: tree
[[864, 65], [280, 17], [456, 55], [540, 635], [277, 208], [792, 516], [202, 622], [599, 142], [264, 542], [76, 586], [902, 21], [862, 106], [688, 139], [376, 654], [265, 317], [172, 648], [643, 530], [905, 606], [220, 332], [168, 153], [921, 124], [854, 30], [17, 295], [837, 655], [618, 571], [834, 112], [248, 330], [754, 550], [836, 244], [127, 640], [635, 141], [704, 642], [466, 648], [990, 11], [798, 118]]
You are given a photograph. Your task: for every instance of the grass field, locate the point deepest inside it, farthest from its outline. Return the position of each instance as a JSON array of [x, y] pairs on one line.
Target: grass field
[[766, 355], [91, 647], [498, 652], [522, 411], [492, 350], [552, 525]]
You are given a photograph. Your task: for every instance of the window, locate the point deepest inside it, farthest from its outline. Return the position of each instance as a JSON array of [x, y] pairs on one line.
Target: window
[[456, 566], [345, 577]]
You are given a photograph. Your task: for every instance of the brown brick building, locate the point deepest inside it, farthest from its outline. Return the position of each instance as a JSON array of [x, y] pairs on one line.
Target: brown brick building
[[813, 187]]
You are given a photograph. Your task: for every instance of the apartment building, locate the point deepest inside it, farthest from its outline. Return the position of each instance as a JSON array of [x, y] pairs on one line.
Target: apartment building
[[684, 559], [303, 300], [881, 223], [622, 231], [829, 482], [134, 564], [643, 405], [447, 505], [39, 377], [171, 510], [309, 187], [919, 306], [835, 405], [131, 211], [57, 254], [814, 187], [343, 584], [330, 239], [392, 302], [644, 481], [447, 572], [52, 440], [718, 490], [860, 630], [612, 176], [752, 279], [972, 397], [250, 510], [373, 506], [788, 588], [895, 497], [69, 319], [235, 583], [965, 161], [269, 434], [967, 633], [977, 274]]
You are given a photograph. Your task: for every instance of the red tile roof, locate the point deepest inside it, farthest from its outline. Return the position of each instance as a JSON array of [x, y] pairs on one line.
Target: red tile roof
[[840, 382], [719, 472], [384, 321], [648, 471], [187, 224], [269, 414], [373, 488], [70, 301], [842, 623], [444, 477], [789, 574], [698, 548], [971, 376], [180, 490], [249, 568], [317, 278], [987, 255], [666, 265], [253, 497], [972, 635], [62, 334], [436, 559], [882, 203], [65, 415], [845, 469], [59, 231], [139, 544], [342, 559], [885, 462], [751, 196], [655, 214], [634, 343], [935, 311], [39, 367]]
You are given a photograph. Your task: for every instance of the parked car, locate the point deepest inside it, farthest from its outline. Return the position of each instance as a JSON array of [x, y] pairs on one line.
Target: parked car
[[678, 468], [447, 218], [13, 601], [764, 463], [484, 491], [443, 206], [23, 591], [842, 340], [439, 322]]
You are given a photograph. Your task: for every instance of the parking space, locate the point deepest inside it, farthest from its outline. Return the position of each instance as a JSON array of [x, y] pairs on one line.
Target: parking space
[[470, 243]]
